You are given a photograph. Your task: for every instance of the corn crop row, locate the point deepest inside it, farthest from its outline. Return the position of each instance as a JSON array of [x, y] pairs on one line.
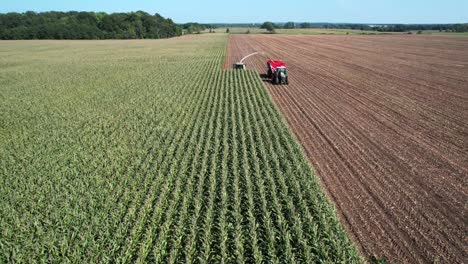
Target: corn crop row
[[148, 151]]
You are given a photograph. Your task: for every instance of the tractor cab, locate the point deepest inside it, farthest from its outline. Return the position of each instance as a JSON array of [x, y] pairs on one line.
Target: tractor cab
[[283, 70]]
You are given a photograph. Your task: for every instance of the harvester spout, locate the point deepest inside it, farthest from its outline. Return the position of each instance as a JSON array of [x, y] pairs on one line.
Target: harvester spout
[[252, 54], [241, 65]]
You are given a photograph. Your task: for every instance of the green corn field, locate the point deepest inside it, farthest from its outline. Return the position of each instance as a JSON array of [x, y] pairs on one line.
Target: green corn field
[[148, 151]]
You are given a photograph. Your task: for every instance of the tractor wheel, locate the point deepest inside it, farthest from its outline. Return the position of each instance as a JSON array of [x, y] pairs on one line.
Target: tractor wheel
[[269, 73], [286, 80], [276, 80]]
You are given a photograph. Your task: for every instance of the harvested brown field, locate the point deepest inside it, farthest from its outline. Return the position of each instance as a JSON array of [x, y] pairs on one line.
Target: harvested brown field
[[384, 122]]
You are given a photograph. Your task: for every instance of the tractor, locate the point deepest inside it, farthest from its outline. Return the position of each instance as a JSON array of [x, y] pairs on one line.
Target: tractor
[[277, 72]]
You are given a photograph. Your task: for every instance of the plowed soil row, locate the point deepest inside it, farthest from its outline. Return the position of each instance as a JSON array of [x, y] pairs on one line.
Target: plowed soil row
[[383, 119]]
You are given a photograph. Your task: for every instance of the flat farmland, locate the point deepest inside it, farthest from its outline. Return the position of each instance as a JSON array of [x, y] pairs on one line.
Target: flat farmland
[[147, 151], [383, 120]]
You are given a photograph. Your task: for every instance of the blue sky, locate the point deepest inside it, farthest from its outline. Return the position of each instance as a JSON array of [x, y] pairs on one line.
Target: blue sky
[[242, 11]]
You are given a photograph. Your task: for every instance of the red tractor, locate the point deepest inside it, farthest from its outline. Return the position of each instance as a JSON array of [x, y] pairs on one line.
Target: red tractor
[[277, 72]]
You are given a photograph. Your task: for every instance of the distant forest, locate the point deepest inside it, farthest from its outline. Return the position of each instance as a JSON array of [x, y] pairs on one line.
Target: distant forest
[[392, 27], [368, 27], [86, 25], [141, 25]]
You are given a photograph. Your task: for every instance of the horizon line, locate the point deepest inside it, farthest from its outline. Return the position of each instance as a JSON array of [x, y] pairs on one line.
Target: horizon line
[[226, 23]]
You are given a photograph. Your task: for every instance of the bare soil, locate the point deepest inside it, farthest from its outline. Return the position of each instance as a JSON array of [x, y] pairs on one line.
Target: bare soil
[[384, 122]]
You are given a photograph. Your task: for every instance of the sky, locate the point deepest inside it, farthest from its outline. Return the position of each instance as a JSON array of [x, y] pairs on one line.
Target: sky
[[256, 11]]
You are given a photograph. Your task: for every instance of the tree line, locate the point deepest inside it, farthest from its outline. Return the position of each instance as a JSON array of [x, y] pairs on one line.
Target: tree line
[[270, 26], [397, 27], [86, 25], [191, 28], [403, 28]]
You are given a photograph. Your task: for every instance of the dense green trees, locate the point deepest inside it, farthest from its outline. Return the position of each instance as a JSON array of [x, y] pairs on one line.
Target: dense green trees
[[269, 26], [289, 25], [367, 27], [191, 28], [460, 28], [86, 25], [396, 27], [403, 28]]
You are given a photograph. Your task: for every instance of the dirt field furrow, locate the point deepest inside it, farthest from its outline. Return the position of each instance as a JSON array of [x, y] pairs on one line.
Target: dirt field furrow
[[375, 229], [383, 120]]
